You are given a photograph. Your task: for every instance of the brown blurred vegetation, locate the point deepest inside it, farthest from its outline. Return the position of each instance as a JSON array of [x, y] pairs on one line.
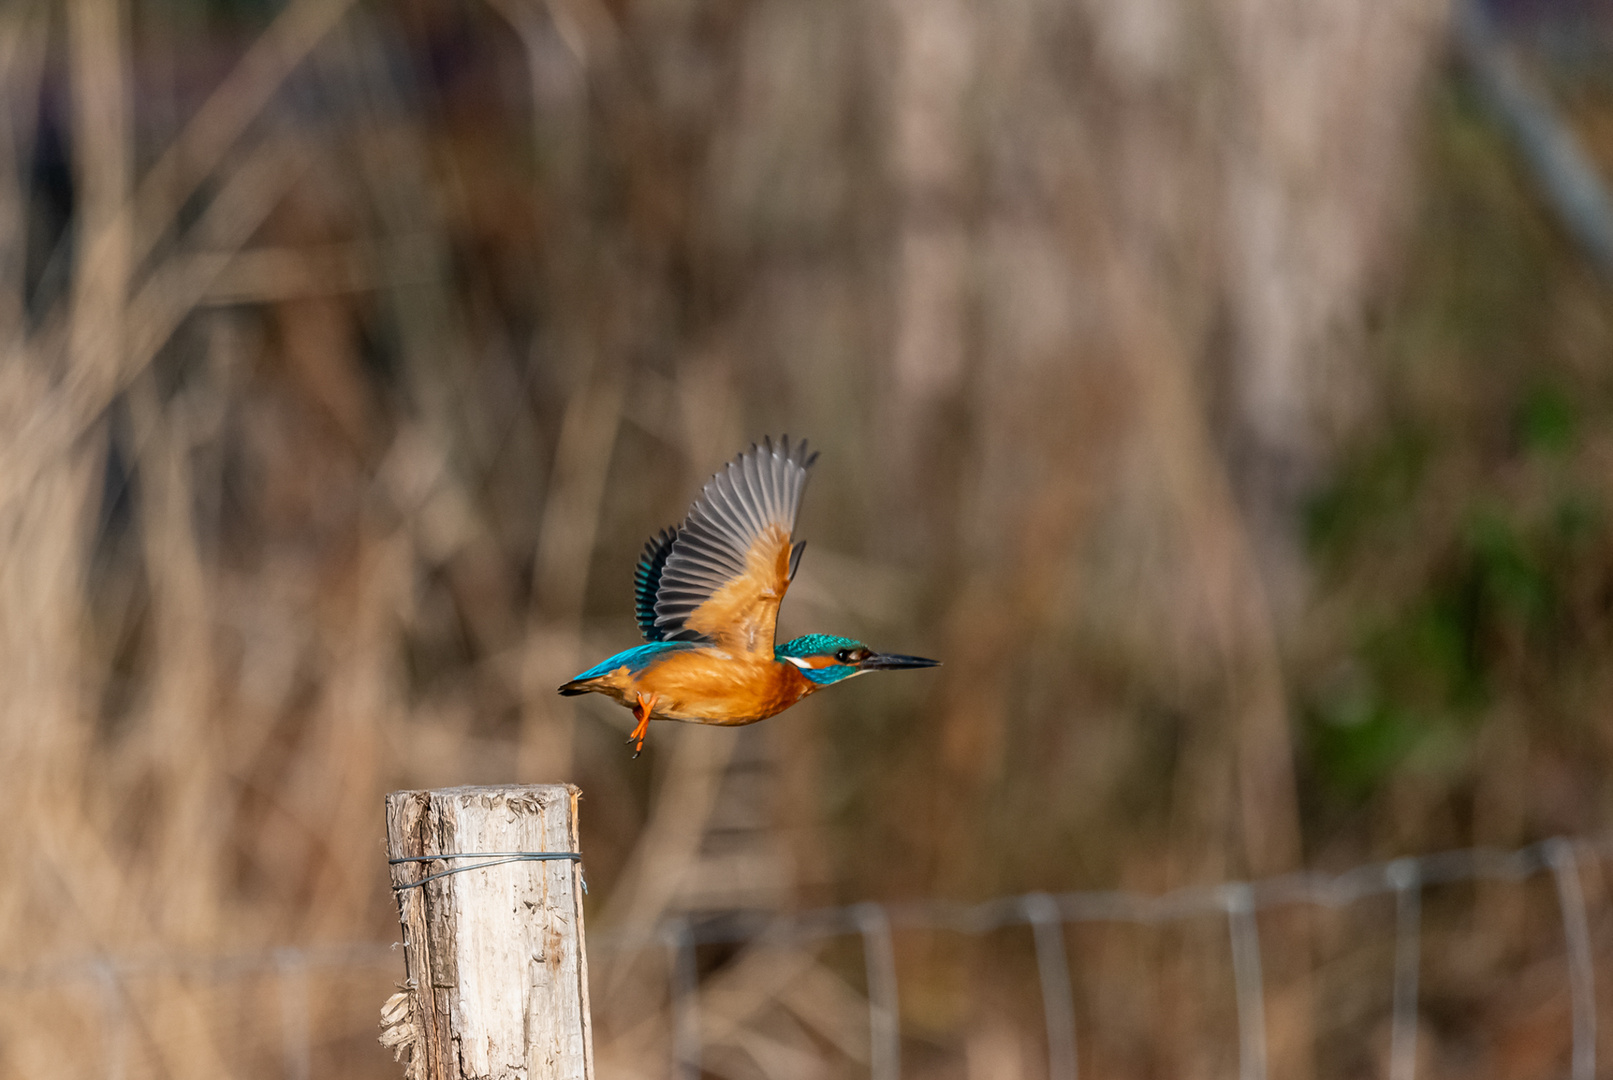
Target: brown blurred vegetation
[[1203, 383]]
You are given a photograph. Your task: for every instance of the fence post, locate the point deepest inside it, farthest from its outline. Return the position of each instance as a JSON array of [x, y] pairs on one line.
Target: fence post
[[493, 944]]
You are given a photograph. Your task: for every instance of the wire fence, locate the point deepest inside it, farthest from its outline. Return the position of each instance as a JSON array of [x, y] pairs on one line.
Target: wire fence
[[1044, 914]]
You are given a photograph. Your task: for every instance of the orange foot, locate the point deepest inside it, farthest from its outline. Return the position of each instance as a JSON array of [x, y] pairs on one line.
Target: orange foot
[[641, 712]]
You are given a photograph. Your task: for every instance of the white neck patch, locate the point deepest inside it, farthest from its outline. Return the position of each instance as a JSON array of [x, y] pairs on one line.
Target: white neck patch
[[802, 664]]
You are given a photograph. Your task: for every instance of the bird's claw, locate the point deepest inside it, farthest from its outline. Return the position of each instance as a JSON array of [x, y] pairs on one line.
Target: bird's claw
[[641, 712]]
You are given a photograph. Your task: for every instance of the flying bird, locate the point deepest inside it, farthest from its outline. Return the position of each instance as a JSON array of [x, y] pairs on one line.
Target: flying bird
[[707, 595]]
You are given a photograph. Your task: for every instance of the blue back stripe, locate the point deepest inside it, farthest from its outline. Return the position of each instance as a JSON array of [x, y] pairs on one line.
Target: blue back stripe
[[635, 659]]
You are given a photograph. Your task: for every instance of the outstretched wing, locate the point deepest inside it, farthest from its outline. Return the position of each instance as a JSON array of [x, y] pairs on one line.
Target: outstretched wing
[[731, 559]]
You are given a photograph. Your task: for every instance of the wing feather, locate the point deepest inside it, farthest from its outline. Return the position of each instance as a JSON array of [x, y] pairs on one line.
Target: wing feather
[[777, 479], [731, 560], [755, 498], [735, 504], [647, 581]]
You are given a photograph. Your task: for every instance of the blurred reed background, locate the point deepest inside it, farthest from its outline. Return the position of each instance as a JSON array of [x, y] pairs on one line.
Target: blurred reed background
[[1206, 384]]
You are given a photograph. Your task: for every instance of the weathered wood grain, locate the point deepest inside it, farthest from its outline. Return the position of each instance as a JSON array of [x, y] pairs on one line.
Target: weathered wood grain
[[497, 970]]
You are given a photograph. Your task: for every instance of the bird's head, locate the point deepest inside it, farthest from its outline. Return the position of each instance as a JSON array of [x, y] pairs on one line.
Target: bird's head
[[826, 659]]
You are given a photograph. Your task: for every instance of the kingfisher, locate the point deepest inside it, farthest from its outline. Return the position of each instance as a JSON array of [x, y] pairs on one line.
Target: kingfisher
[[707, 594]]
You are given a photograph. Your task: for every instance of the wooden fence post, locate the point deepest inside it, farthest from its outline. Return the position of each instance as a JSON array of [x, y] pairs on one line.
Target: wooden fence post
[[497, 974]]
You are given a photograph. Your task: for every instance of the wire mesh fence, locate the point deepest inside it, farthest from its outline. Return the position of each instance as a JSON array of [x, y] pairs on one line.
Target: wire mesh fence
[[114, 980]]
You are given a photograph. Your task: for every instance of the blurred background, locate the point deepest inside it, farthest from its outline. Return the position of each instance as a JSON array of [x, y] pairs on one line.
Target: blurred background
[[1221, 388]]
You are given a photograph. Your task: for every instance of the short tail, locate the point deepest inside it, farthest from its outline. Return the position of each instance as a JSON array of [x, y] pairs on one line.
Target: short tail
[[576, 686]]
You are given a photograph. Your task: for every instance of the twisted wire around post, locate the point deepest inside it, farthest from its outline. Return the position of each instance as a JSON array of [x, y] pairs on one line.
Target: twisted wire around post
[[495, 858]]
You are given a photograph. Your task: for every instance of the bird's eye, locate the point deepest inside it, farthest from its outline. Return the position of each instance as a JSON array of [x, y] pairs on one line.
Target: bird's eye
[[844, 656]]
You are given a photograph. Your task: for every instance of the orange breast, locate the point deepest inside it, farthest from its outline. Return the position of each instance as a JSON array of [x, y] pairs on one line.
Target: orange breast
[[710, 686]]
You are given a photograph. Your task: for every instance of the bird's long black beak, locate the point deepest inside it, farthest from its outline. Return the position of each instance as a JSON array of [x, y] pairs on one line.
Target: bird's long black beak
[[892, 661]]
